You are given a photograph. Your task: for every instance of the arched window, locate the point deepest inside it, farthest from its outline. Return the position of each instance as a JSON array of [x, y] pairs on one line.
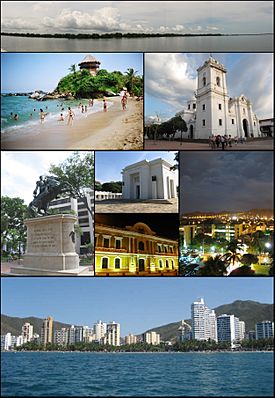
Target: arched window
[[218, 81], [160, 263], [172, 262], [204, 81], [167, 263], [140, 245], [104, 262], [117, 263]]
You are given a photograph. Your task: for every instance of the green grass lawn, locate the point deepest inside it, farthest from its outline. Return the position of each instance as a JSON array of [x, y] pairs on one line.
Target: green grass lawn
[[262, 269]]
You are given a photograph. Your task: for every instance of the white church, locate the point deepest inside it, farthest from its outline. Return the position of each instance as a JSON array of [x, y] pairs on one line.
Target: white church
[[211, 111]]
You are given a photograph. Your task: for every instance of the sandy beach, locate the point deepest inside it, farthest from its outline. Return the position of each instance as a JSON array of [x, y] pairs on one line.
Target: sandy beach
[[115, 129]]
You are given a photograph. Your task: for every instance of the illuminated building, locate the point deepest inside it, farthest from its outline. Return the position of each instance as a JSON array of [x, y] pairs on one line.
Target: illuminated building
[[134, 250], [227, 231]]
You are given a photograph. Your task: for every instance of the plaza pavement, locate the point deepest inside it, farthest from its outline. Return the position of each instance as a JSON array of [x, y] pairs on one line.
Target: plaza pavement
[[267, 144], [136, 206]]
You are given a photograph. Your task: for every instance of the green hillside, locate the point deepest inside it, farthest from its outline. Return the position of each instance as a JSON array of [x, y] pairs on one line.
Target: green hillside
[[14, 324], [248, 311], [81, 84]]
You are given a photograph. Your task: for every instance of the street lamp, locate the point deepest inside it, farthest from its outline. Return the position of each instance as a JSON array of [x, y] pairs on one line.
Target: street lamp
[[268, 245]]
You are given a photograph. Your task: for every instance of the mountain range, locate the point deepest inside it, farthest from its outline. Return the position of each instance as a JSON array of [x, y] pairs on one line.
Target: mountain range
[[248, 311]]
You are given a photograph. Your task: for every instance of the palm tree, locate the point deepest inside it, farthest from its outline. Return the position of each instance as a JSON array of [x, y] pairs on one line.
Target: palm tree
[[72, 68], [213, 267], [232, 255], [130, 79]]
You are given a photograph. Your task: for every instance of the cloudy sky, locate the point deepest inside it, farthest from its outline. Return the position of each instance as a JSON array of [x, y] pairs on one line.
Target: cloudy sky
[[21, 170], [212, 181], [136, 16], [171, 80]]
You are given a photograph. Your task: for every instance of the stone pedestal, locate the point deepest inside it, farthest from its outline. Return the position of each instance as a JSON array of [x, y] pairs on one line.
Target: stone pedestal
[[50, 246]]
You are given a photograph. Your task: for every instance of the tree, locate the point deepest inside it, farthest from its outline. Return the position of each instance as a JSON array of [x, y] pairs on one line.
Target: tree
[[112, 186], [130, 79], [212, 267], [13, 230], [233, 249], [78, 171]]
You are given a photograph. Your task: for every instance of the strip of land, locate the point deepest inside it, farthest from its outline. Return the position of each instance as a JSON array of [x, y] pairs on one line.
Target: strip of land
[[115, 129]]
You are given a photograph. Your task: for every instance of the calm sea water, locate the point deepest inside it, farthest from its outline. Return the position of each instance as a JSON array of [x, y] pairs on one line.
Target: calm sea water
[[141, 374], [25, 106], [255, 43]]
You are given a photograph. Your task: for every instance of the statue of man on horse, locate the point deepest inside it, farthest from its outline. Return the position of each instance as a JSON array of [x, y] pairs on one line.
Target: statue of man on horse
[[47, 189]]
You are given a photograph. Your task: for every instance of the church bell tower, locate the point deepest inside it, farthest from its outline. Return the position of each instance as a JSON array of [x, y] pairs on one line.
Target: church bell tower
[[212, 99]]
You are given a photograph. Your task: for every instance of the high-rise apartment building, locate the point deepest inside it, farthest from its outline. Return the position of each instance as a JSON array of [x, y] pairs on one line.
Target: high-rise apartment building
[[228, 329], [112, 336], [131, 339], [27, 332], [203, 321], [151, 338], [47, 331], [85, 219], [264, 330], [100, 329]]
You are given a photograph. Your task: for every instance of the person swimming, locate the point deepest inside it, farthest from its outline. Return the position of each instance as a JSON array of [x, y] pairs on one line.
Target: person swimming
[[16, 117], [61, 118], [42, 115]]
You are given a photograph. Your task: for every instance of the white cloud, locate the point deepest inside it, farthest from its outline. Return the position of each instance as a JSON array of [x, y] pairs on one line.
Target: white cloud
[[171, 79], [20, 170]]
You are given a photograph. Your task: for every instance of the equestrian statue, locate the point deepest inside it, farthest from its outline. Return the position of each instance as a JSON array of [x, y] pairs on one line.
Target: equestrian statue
[[47, 189]]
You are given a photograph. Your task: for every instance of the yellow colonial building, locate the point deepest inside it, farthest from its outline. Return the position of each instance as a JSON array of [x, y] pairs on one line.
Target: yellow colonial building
[[134, 250]]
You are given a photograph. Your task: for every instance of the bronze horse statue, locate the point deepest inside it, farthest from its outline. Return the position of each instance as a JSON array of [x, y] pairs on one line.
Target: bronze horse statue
[[50, 189]]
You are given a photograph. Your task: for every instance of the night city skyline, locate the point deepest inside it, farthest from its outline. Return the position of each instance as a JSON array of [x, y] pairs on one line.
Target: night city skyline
[[213, 182]]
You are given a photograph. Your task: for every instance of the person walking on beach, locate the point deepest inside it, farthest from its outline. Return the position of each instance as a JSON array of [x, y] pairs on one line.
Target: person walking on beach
[[104, 105], [86, 109], [124, 102], [70, 116], [82, 108], [42, 116]]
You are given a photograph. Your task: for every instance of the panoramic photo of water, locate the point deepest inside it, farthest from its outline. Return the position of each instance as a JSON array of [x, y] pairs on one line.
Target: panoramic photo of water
[[139, 374], [253, 43]]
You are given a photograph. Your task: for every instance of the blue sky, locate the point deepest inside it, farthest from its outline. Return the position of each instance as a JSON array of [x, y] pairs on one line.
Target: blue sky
[[21, 72], [134, 16], [168, 88], [137, 303], [109, 164]]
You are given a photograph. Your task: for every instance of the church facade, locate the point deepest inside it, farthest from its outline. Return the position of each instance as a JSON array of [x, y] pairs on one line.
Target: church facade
[[212, 112], [133, 250], [149, 180]]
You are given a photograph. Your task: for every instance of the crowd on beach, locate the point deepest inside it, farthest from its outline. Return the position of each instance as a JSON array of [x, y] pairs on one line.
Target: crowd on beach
[[224, 141], [70, 116]]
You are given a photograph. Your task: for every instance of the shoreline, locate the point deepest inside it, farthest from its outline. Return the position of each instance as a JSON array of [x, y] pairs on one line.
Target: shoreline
[[119, 35], [149, 352], [114, 129]]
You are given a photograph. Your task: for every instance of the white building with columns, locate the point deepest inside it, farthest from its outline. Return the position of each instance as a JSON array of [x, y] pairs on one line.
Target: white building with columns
[[149, 180], [211, 111]]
